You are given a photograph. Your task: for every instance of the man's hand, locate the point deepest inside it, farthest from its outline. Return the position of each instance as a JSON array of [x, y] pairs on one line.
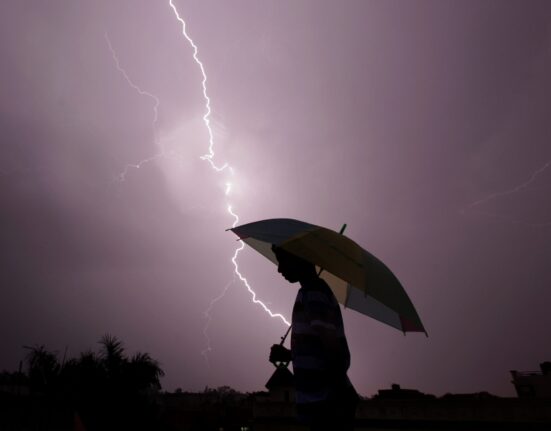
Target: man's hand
[[278, 353]]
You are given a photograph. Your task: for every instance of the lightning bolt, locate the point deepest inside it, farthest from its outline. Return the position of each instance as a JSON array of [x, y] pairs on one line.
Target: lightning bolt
[[156, 102], [206, 117], [209, 157], [473, 206]]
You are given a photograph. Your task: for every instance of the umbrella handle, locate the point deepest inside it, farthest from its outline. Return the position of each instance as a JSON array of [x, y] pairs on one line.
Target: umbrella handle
[[319, 272]]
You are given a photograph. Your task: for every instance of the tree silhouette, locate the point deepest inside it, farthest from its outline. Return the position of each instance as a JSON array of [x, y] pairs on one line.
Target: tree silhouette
[[43, 368], [107, 390], [145, 372], [112, 354]]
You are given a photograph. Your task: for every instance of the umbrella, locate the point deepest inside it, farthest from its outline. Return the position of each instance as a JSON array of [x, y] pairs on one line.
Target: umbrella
[[358, 279]]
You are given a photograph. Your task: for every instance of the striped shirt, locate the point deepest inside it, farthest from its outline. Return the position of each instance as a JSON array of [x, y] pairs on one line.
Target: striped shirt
[[319, 349]]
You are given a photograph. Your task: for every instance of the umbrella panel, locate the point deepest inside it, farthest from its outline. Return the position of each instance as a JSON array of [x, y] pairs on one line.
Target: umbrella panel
[[345, 293], [358, 279]]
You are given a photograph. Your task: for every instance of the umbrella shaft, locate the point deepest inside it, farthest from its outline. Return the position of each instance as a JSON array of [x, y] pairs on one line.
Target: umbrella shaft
[[285, 336], [321, 269]]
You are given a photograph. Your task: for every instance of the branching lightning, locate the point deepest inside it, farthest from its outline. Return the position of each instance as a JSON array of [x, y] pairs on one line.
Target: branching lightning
[[131, 83], [208, 316], [156, 103], [513, 190], [474, 205], [209, 157]]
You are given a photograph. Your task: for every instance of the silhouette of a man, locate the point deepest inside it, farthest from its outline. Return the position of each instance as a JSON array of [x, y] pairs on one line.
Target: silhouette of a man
[[325, 398]]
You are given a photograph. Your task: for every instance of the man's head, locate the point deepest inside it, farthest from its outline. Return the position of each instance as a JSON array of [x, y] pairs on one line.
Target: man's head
[[291, 267]]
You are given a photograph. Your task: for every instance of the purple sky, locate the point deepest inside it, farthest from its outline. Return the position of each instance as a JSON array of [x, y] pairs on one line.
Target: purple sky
[[394, 117]]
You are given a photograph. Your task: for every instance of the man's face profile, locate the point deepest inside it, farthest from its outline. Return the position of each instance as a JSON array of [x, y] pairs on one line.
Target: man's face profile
[[291, 267]]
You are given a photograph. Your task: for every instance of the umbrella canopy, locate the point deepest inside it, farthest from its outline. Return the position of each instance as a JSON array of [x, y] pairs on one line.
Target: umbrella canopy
[[358, 279]]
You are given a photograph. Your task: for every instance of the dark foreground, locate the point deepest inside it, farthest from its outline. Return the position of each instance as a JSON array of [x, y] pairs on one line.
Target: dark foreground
[[228, 410]]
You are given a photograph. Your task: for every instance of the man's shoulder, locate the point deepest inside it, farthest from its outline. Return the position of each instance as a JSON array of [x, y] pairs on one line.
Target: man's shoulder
[[317, 290]]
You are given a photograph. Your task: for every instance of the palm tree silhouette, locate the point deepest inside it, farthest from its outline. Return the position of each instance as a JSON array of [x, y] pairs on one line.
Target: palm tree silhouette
[[106, 390], [43, 368]]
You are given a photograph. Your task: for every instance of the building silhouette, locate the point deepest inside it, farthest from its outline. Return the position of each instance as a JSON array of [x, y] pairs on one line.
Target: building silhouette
[[533, 384], [398, 408]]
